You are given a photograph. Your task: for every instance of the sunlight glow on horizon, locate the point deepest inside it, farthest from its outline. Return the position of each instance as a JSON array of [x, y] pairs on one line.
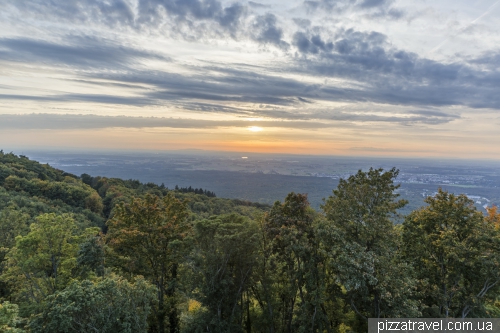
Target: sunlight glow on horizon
[[255, 129]]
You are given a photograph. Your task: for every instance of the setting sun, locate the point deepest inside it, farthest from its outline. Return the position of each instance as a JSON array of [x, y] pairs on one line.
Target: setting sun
[[255, 129]]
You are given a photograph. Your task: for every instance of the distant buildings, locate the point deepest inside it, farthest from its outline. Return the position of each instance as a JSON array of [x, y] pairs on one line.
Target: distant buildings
[[476, 198]]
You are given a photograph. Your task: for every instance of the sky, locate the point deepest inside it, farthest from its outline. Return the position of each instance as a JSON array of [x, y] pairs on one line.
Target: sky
[[329, 77]]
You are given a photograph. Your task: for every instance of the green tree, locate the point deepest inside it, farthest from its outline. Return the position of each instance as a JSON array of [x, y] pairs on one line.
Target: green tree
[[291, 249], [12, 224], [456, 253], [9, 318], [224, 259], [146, 236], [91, 257], [110, 305], [42, 262], [362, 244]]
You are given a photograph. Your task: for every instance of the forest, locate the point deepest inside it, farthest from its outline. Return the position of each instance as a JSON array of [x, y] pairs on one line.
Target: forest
[[98, 254]]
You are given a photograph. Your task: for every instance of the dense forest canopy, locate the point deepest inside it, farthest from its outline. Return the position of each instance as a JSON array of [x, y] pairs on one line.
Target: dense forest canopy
[[98, 254]]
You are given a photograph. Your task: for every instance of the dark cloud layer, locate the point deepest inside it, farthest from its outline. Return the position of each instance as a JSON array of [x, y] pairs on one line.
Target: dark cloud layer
[[386, 75], [376, 71], [79, 51], [395, 76]]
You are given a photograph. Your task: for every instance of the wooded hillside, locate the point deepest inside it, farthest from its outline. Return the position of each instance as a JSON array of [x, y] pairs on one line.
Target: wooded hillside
[[97, 254]]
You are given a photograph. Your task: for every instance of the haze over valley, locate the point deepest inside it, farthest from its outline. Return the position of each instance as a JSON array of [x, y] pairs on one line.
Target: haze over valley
[[265, 178]]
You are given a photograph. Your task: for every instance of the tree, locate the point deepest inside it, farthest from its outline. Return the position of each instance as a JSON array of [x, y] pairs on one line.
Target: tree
[[456, 253], [110, 305], [361, 241], [9, 318], [493, 216], [146, 236], [291, 249], [42, 262], [224, 258], [91, 257], [12, 224]]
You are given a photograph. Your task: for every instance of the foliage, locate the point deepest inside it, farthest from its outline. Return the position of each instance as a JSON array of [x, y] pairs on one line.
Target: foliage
[[362, 242], [195, 190], [9, 318], [224, 258], [70, 191], [22, 166], [90, 257], [146, 236], [456, 253], [12, 224], [493, 216], [42, 262], [293, 250], [109, 305], [33, 188]]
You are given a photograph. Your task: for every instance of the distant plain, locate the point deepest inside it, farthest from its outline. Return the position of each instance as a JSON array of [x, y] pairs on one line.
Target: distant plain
[[265, 178]]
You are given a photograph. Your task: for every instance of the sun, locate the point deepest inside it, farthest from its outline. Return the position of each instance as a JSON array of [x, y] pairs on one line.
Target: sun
[[255, 129]]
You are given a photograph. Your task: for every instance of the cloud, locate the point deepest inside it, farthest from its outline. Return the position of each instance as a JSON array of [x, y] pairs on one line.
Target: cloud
[[72, 122], [154, 12], [373, 3], [82, 122], [391, 76], [266, 31], [106, 84], [434, 113], [191, 20], [404, 118], [301, 22], [378, 7], [359, 10], [92, 98], [312, 44], [132, 14], [388, 150], [110, 12], [488, 61], [274, 117], [258, 5], [188, 19], [75, 51], [346, 65], [214, 83]]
